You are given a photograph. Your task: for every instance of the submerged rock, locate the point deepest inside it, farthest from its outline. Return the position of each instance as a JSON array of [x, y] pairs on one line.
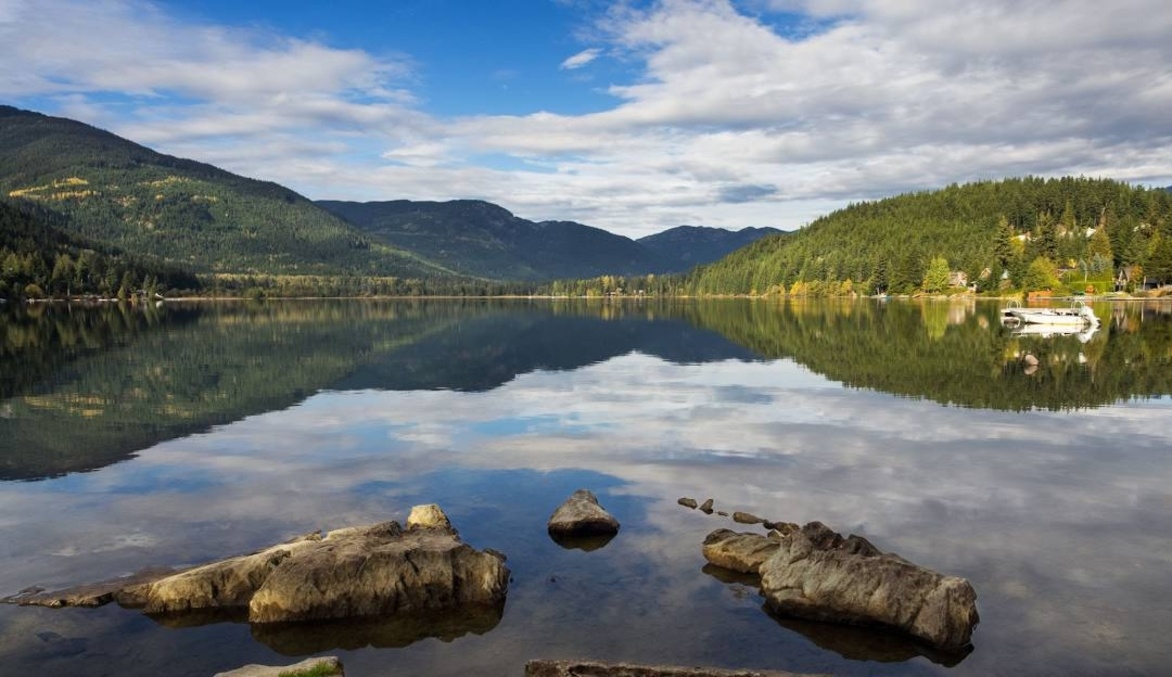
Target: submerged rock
[[88, 595], [325, 665], [815, 573], [353, 572], [547, 668], [581, 515]]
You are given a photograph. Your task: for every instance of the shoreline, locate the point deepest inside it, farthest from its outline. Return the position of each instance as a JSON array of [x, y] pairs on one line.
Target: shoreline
[[1112, 298]]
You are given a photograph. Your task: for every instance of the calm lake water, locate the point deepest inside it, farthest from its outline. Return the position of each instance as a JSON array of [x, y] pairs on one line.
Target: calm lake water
[[132, 438]]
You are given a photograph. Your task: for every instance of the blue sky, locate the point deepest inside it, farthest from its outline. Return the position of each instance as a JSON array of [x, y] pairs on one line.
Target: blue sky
[[631, 115]]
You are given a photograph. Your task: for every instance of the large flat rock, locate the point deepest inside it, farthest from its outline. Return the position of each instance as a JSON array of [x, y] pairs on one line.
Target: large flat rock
[[814, 573], [850, 584], [372, 570]]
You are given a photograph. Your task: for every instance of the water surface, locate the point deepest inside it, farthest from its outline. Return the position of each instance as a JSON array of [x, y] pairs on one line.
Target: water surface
[[134, 437]]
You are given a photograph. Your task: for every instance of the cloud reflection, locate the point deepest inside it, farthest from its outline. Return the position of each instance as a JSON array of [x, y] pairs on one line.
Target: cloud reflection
[[1062, 521]]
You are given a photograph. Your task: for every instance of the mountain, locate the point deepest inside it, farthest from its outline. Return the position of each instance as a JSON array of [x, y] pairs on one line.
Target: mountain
[[482, 239], [114, 191], [688, 246], [887, 245]]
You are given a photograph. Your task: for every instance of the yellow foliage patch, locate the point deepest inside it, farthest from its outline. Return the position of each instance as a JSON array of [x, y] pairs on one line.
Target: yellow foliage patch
[[31, 191], [168, 181]]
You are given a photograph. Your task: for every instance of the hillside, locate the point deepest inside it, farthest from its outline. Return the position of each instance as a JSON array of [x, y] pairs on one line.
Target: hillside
[[1002, 227], [482, 239], [37, 258], [686, 246], [111, 190]]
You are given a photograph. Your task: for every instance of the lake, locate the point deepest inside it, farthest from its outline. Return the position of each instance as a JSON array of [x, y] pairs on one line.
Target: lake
[[135, 437]]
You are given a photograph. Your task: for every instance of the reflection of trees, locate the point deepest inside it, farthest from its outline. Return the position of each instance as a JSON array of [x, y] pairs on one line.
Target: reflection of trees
[[91, 385], [901, 348]]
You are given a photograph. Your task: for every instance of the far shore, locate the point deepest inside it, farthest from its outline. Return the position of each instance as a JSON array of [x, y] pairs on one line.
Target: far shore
[[1112, 297]]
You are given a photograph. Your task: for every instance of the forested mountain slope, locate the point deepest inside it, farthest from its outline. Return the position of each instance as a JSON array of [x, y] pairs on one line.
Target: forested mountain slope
[[111, 190], [982, 229], [485, 240], [38, 259]]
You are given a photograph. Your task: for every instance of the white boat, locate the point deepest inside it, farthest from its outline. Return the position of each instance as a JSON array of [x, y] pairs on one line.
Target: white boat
[[1077, 315]]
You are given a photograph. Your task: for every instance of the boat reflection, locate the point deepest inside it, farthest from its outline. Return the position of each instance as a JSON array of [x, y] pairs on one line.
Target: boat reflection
[[1084, 334]]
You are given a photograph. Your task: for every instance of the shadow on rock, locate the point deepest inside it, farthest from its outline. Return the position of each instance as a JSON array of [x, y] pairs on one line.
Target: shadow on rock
[[386, 632]]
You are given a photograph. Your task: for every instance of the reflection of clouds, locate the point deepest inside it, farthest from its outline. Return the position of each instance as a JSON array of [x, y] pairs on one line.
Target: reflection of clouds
[[1061, 520]]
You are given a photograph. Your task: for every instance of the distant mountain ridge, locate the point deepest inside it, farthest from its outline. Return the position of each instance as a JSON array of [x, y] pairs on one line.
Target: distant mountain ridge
[[689, 246], [483, 239]]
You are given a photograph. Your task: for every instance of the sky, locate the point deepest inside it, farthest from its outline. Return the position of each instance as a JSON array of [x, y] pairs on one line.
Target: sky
[[629, 115]]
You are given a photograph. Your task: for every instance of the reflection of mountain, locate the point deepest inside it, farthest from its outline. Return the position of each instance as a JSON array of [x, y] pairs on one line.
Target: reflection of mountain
[[86, 387], [493, 348]]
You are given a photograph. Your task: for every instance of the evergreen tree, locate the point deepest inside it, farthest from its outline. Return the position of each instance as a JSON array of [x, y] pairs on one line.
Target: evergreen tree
[[936, 279], [1003, 246], [1045, 241], [1160, 260]]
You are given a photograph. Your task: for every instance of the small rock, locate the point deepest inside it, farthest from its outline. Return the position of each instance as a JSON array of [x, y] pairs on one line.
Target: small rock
[[429, 516], [746, 518], [706, 507], [581, 515], [687, 502], [330, 663], [722, 513], [1030, 360]]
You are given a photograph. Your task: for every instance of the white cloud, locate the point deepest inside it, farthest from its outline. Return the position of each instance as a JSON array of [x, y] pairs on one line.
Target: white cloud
[[873, 97], [581, 59]]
